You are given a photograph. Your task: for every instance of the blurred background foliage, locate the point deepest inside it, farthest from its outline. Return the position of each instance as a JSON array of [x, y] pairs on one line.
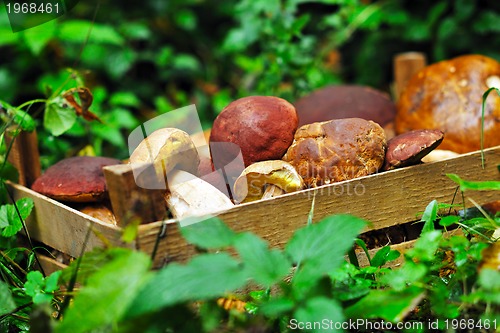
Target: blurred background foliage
[[144, 58]]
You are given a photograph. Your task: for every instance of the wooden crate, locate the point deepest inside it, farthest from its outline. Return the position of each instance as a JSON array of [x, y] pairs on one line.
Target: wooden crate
[[386, 199]]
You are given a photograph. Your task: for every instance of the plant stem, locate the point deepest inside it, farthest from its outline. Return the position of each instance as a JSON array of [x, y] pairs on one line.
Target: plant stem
[[32, 102]]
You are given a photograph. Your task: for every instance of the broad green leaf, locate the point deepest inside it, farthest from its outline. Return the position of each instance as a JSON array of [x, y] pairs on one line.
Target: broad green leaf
[[24, 120], [409, 273], [429, 216], [449, 220], [7, 304], [276, 307], [263, 265], [51, 282], [205, 277], [58, 117], [102, 302], [319, 310], [37, 37], [76, 31], [387, 304], [318, 249], [426, 246], [9, 219], [384, 255], [212, 233], [475, 186], [40, 288]]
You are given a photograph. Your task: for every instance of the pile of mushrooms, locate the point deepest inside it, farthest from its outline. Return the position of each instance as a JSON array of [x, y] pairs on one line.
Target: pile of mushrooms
[[258, 152]]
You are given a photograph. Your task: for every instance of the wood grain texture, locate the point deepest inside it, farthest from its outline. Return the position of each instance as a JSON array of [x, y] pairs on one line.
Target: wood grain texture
[[24, 156], [405, 66], [130, 201], [384, 199], [64, 228]]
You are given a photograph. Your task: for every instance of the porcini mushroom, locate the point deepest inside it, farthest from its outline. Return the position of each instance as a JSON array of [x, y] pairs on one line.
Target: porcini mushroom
[[346, 101], [192, 196], [175, 160], [447, 96], [262, 127], [165, 149], [409, 148], [337, 150], [75, 179], [252, 183]]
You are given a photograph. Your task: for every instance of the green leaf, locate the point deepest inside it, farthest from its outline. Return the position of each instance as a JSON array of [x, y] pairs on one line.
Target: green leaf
[[426, 246], [319, 310], [9, 219], [429, 216], [76, 31], [37, 37], [58, 117], [386, 304], [263, 265], [318, 249], [51, 282], [409, 273], [24, 120], [449, 220], [212, 233], [384, 255], [205, 277], [276, 307], [7, 304], [474, 186], [108, 293]]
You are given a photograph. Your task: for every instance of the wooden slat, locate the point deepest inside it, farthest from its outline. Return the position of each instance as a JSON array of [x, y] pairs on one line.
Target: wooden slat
[[130, 201], [24, 156], [64, 228], [405, 66], [385, 199]]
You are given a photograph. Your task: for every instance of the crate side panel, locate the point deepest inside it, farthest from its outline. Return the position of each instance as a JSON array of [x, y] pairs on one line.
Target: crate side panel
[[62, 227]]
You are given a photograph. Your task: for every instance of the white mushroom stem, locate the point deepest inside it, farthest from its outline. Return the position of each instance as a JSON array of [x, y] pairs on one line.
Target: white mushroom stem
[[189, 195], [272, 191], [439, 155]]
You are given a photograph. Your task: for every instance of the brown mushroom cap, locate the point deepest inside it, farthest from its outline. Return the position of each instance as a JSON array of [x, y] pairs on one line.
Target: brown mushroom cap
[[345, 101], [409, 148], [261, 126], [100, 212], [76, 179], [447, 96], [337, 150]]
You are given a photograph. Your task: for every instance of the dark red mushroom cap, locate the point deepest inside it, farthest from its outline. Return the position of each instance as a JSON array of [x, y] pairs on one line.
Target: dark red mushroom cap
[[346, 101], [409, 148], [76, 179], [261, 126]]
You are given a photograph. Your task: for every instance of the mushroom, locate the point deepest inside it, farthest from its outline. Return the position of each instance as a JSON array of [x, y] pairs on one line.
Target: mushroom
[[75, 179], [261, 127], [192, 196], [337, 150], [169, 156], [346, 101], [161, 152], [100, 212], [447, 96], [409, 148], [439, 155], [278, 175]]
